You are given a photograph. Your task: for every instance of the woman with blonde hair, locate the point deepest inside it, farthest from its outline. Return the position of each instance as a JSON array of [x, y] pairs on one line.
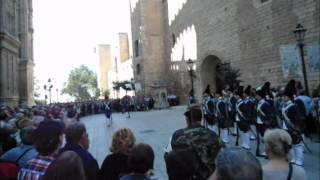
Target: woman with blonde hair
[[278, 144], [115, 164]]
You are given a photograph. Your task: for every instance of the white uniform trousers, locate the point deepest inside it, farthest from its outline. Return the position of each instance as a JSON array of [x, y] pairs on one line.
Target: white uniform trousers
[[297, 154], [225, 136], [245, 140]]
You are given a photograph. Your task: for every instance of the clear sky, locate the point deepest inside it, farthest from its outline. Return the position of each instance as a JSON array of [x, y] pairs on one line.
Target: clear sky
[[67, 31]]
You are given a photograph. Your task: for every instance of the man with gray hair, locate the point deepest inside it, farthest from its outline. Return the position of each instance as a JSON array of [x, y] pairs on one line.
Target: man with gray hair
[[78, 141], [236, 163]]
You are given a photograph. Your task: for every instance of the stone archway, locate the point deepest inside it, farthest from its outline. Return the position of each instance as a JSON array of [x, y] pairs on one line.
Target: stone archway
[[209, 73]]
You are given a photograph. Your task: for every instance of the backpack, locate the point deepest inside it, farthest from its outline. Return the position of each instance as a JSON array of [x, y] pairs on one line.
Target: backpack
[[9, 170]]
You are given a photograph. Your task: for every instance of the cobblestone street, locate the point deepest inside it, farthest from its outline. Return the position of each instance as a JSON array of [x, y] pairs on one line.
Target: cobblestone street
[[155, 128]]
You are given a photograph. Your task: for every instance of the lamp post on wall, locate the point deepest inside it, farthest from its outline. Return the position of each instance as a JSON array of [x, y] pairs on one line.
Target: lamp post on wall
[[48, 87], [190, 64], [299, 33]]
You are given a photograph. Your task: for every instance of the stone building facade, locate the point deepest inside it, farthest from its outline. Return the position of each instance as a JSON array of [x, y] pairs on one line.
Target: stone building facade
[[255, 36], [16, 52], [115, 65]]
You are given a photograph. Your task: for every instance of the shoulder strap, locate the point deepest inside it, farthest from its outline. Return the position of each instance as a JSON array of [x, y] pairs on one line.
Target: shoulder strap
[[25, 152], [290, 172]]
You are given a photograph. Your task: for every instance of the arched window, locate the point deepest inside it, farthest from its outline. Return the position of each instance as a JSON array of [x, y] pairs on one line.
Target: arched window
[[173, 39], [136, 47]]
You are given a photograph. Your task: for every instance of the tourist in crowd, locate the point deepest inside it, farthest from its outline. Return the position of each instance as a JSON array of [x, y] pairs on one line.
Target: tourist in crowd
[[78, 141], [71, 117], [205, 144], [67, 166], [278, 145], [25, 151], [47, 140], [180, 164], [115, 164], [235, 163], [140, 163]]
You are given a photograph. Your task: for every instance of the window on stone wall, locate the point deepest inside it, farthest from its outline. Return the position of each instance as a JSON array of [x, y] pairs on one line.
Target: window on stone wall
[[173, 39], [138, 69], [262, 1], [136, 48]]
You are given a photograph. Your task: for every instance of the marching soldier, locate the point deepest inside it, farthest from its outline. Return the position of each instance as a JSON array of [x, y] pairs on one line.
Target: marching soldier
[[250, 102], [232, 101], [223, 116], [292, 123], [265, 119], [209, 110], [242, 119]]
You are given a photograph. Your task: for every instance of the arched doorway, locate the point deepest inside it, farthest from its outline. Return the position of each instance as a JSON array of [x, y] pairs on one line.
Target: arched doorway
[[210, 74]]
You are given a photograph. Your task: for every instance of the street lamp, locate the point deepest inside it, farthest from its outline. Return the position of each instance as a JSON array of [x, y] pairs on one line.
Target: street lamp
[[299, 33], [48, 87], [57, 90], [191, 73]]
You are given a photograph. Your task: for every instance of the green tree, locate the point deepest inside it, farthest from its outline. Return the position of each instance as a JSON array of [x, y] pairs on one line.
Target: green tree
[[82, 84], [231, 76]]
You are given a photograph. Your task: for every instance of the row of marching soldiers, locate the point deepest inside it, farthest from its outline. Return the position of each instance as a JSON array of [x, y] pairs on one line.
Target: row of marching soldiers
[[251, 111]]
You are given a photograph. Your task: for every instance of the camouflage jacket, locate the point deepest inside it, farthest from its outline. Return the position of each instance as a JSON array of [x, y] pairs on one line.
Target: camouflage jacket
[[205, 144]]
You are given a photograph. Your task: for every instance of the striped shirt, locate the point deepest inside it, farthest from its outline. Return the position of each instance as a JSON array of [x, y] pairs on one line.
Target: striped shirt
[[35, 168]]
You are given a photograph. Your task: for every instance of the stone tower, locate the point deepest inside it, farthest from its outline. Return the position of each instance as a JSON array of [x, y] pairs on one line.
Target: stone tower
[[26, 63], [16, 52], [150, 62]]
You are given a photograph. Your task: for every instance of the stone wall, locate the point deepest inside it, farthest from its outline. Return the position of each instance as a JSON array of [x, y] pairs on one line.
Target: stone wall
[[105, 65], [254, 36], [248, 34]]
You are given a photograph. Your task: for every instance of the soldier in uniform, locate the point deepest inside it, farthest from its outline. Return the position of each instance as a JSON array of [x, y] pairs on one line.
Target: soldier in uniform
[[265, 119], [209, 105], [242, 119], [250, 102], [223, 116], [292, 123], [232, 101], [201, 141]]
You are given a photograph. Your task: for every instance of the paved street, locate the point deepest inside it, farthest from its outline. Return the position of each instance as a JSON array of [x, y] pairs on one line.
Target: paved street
[[155, 128]]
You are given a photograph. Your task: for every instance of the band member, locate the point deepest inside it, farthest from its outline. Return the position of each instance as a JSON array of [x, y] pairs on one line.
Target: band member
[[250, 102], [292, 123], [242, 119], [108, 111], [223, 116], [232, 101], [265, 119], [209, 110]]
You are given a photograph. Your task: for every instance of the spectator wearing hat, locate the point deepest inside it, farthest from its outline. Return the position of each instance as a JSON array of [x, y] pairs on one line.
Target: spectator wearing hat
[[78, 141], [278, 145], [292, 123], [235, 163], [25, 151], [47, 140], [204, 143]]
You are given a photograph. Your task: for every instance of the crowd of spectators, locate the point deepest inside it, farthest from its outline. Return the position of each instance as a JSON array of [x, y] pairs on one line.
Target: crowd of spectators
[[49, 143]]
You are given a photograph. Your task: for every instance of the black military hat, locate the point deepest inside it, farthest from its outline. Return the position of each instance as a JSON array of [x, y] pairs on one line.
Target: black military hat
[[290, 89], [261, 92], [207, 90], [239, 91], [248, 90], [191, 92]]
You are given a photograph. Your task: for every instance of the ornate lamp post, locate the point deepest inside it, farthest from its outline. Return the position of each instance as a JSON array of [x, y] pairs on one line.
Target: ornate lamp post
[[299, 33], [48, 87], [57, 90], [191, 73]]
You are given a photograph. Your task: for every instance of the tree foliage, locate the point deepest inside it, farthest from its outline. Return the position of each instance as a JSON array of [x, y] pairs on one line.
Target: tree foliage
[[125, 85], [231, 76], [82, 84]]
